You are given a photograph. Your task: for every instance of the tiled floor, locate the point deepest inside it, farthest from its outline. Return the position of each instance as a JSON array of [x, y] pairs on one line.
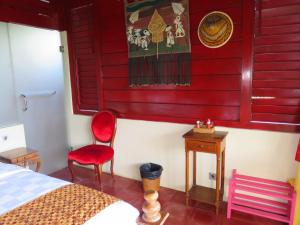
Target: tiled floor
[[171, 201]]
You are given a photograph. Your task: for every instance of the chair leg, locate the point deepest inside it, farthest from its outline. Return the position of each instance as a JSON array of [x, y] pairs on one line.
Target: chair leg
[[98, 170], [70, 166], [112, 167]]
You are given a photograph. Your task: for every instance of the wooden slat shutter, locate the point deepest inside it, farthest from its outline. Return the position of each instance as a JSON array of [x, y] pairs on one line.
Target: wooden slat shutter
[[276, 69], [84, 73], [45, 14]]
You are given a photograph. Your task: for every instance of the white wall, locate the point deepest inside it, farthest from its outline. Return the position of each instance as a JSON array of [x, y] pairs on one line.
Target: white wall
[[38, 68], [12, 137], [8, 107], [252, 152]]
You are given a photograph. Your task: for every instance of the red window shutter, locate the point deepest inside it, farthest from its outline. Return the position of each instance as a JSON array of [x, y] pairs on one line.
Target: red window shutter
[[276, 63], [44, 14], [81, 37]]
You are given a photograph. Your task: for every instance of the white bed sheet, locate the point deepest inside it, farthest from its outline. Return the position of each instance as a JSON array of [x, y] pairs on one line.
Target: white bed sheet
[[19, 186]]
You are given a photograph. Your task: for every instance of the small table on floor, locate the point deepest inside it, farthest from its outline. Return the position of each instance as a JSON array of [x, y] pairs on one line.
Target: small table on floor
[[21, 157], [208, 143]]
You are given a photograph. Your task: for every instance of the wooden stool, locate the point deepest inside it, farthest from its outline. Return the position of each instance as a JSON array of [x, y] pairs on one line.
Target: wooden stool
[[151, 209]]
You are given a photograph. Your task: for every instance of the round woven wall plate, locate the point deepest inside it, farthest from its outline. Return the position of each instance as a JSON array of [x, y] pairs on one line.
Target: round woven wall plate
[[215, 29]]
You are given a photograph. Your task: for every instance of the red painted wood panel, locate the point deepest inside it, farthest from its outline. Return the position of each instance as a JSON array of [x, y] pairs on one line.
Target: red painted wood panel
[[221, 87], [277, 39], [281, 10], [280, 20], [275, 109], [221, 98], [277, 92], [34, 13], [278, 101], [216, 73], [175, 110], [276, 63], [287, 29], [277, 118], [83, 57], [271, 75], [198, 83], [277, 66], [271, 57], [290, 84], [266, 4], [287, 47]]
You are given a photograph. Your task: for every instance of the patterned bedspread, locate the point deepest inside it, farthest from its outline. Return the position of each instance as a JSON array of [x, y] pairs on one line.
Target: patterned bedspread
[[69, 205], [19, 186]]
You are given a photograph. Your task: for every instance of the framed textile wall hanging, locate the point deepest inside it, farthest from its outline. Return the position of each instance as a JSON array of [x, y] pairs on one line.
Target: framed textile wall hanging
[[158, 37]]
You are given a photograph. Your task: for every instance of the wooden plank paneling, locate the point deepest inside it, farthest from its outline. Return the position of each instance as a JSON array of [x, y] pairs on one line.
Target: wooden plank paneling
[[280, 20], [287, 47], [178, 110], [198, 83], [277, 118], [276, 76], [271, 57], [220, 89], [83, 59], [276, 92], [277, 101], [275, 109], [34, 13], [216, 73], [267, 4], [271, 75], [290, 84], [222, 98]]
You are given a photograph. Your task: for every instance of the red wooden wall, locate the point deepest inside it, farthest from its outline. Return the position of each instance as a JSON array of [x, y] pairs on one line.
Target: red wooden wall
[[260, 60], [276, 69], [44, 14], [83, 57], [216, 73], [251, 82]]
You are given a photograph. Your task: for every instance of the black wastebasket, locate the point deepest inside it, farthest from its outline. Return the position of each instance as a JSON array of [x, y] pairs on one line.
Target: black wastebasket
[[150, 173]]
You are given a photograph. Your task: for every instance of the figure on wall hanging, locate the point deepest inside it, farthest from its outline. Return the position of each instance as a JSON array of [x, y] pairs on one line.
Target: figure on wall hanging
[[159, 48]]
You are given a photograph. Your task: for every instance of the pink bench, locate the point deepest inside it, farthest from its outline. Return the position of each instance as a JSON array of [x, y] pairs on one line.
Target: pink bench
[[262, 197]]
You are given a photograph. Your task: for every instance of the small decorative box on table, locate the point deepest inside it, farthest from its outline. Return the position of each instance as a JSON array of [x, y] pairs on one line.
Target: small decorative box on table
[[213, 143], [21, 157]]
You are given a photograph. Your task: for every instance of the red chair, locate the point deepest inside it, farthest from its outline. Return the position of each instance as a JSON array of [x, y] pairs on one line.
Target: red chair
[[103, 128]]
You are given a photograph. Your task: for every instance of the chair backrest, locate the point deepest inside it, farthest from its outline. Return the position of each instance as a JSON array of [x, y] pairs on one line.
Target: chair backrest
[[103, 126]]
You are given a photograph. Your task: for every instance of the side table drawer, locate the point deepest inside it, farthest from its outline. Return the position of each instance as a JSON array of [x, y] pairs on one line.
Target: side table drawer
[[24, 158], [201, 146]]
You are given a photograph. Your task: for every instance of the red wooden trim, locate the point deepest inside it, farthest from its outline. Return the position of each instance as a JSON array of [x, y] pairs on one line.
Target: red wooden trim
[[98, 42], [246, 82], [72, 63], [290, 128]]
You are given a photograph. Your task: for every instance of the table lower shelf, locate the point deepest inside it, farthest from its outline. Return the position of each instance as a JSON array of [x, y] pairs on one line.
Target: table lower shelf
[[203, 194]]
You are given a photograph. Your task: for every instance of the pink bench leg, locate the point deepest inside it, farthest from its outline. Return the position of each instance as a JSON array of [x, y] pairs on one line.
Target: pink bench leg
[[229, 200], [293, 206]]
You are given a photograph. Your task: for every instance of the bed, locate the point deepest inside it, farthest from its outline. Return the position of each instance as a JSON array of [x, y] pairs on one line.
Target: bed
[[19, 187]]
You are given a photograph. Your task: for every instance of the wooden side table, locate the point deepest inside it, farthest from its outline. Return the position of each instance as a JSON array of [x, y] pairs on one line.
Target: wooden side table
[[208, 143], [21, 157]]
